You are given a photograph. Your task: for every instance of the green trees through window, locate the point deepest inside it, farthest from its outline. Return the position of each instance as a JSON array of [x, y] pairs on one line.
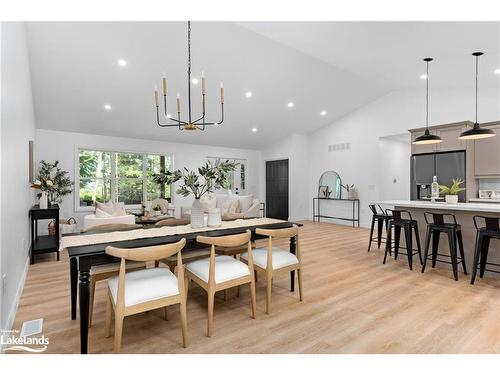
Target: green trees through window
[[120, 176]]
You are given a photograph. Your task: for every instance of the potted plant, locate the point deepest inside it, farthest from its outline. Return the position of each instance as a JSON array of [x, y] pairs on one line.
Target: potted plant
[[52, 182], [210, 177], [451, 193]]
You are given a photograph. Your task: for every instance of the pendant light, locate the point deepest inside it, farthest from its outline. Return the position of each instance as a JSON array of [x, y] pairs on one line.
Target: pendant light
[[427, 138], [477, 132]]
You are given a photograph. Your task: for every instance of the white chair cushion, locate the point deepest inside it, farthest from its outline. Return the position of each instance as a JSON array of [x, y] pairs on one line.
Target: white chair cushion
[[146, 285], [280, 258], [226, 268]]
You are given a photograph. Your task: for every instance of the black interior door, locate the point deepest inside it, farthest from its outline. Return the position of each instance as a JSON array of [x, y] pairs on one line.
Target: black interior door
[[277, 189]]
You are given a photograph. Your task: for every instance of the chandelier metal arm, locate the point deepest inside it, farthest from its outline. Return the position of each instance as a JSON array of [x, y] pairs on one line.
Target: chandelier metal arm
[[178, 122]]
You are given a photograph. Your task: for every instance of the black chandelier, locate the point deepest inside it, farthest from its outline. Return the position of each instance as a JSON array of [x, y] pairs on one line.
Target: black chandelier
[[477, 132], [200, 123], [427, 138]]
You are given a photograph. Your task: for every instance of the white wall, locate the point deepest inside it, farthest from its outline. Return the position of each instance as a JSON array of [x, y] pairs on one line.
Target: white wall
[[18, 127], [391, 114], [56, 145], [295, 149], [394, 177]]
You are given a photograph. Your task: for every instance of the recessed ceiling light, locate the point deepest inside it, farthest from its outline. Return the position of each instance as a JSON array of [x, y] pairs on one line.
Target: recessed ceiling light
[[254, 130], [169, 115], [290, 104], [497, 71], [323, 113], [122, 62], [107, 107], [194, 80], [248, 94], [423, 76]]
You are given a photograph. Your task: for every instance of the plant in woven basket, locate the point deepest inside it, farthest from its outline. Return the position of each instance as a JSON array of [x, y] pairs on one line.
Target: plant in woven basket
[[210, 177], [53, 180], [454, 189]]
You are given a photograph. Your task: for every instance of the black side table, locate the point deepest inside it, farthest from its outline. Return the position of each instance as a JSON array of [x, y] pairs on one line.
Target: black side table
[[46, 243]]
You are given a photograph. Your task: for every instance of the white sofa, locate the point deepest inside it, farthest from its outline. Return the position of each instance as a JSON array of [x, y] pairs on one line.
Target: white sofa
[[249, 207], [92, 220]]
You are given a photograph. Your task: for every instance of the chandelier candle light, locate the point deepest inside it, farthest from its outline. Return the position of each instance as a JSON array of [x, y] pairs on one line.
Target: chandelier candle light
[[198, 124]]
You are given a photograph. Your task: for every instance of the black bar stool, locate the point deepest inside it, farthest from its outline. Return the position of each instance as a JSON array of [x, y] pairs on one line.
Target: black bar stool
[[398, 222], [381, 217], [490, 230], [454, 231]]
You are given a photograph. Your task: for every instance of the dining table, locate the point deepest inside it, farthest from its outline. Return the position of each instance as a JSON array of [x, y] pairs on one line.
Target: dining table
[[88, 250]]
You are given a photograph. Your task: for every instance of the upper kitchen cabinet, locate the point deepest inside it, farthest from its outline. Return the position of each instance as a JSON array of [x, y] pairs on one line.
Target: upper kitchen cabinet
[[487, 154], [450, 139]]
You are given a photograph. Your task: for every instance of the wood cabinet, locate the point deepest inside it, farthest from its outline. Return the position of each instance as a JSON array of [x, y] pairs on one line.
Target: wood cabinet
[[487, 155], [450, 139]]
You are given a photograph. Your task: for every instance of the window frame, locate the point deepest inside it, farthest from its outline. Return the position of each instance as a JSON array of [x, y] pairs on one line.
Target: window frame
[[113, 178]]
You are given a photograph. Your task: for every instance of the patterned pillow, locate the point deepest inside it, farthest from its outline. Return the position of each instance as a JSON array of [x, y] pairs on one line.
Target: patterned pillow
[[230, 206]]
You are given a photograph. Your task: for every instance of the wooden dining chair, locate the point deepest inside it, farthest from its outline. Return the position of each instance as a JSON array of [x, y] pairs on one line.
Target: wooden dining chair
[[134, 292], [273, 261], [105, 271], [221, 272]]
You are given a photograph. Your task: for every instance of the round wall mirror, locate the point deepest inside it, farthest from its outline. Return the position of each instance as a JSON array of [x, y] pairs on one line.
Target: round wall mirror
[[330, 185]]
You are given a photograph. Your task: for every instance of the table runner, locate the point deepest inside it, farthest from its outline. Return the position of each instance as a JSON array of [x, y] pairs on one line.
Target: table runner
[[93, 239]]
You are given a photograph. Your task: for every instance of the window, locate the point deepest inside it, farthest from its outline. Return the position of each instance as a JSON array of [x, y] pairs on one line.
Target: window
[[236, 180], [120, 177]]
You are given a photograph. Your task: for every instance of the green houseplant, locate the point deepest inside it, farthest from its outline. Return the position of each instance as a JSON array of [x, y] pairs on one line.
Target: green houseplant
[[451, 192], [208, 178]]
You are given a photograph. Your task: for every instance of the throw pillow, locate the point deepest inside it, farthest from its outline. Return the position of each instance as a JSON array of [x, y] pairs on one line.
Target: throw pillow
[[245, 202], [119, 212], [230, 206], [106, 207], [209, 202], [101, 213]]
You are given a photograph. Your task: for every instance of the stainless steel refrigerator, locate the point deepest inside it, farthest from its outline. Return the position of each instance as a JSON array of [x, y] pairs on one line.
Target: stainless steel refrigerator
[[445, 165]]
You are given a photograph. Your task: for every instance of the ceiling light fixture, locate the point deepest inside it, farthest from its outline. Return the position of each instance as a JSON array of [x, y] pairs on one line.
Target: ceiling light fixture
[[290, 104], [423, 76], [200, 123], [194, 81], [122, 62], [427, 138], [323, 113], [107, 107], [254, 130], [477, 132], [497, 72], [248, 94]]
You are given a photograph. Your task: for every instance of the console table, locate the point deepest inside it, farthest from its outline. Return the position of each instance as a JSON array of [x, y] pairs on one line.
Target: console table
[[355, 210], [46, 243]]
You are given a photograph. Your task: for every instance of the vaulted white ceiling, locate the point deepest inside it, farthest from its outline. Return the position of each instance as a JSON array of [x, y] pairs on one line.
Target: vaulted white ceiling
[[330, 66]]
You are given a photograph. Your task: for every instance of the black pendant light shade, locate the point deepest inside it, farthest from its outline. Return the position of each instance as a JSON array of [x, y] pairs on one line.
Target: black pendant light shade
[[427, 138], [477, 132]]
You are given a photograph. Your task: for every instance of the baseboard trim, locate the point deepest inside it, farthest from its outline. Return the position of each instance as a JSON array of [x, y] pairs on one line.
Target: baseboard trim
[[13, 310]]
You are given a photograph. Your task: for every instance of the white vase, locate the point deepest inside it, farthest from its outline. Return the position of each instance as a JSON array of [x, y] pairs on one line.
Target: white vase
[[453, 199], [197, 214], [214, 218], [43, 201]]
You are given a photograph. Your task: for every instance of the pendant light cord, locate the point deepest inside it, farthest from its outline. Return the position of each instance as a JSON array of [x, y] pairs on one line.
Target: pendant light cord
[[189, 71], [427, 98], [477, 62]]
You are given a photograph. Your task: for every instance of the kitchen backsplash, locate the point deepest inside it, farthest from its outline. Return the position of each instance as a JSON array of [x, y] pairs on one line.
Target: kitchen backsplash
[[489, 187]]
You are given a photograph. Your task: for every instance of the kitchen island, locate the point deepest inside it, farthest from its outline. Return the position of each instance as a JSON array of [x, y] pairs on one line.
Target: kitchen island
[[464, 213]]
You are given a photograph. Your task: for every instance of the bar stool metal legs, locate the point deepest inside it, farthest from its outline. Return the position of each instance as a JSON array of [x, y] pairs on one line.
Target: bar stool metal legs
[[484, 234], [381, 218], [399, 223], [454, 234]]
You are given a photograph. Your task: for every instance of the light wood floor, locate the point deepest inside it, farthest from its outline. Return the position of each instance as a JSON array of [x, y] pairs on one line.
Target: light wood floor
[[352, 304]]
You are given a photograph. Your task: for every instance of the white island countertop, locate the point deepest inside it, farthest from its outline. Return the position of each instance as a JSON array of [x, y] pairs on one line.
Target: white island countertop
[[471, 207]]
